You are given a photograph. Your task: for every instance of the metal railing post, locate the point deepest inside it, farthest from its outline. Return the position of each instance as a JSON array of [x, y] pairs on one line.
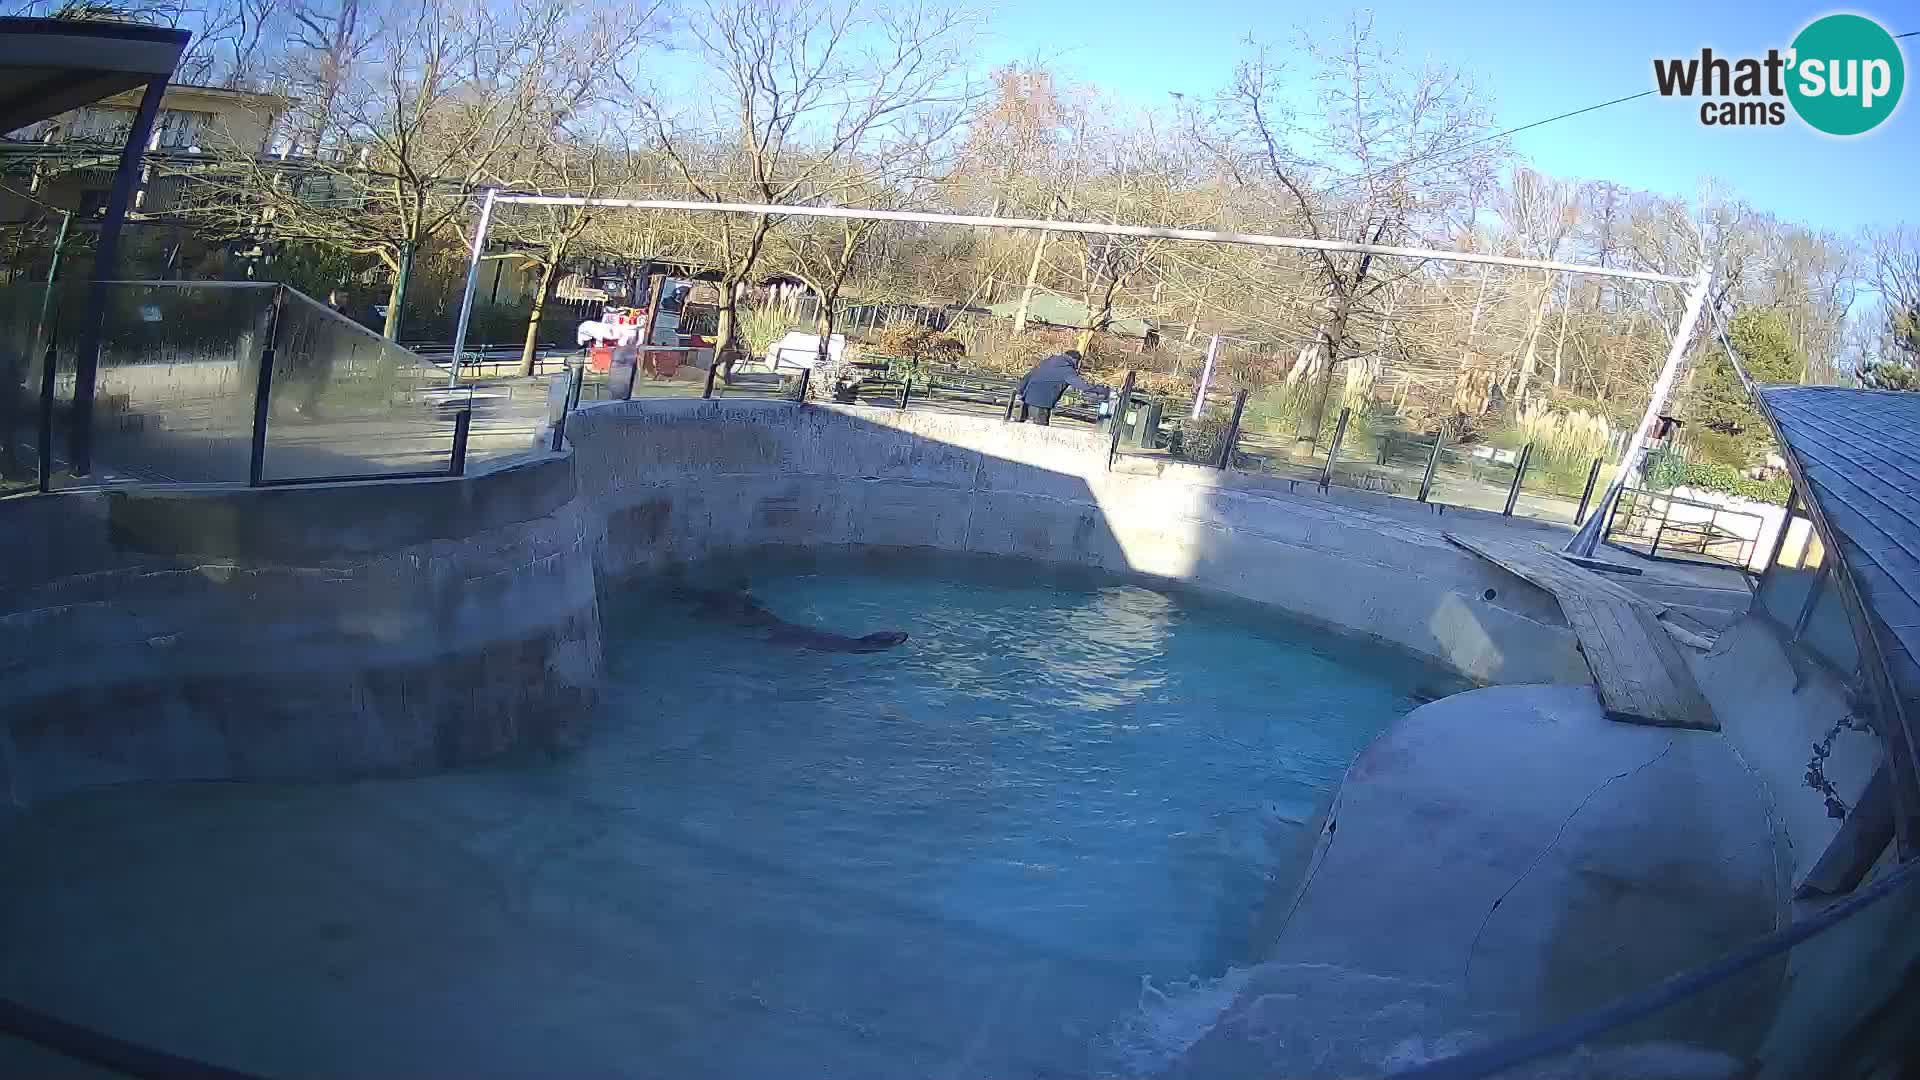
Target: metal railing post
[[906, 388], [263, 393], [45, 447], [1586, 495], [462, 420], [1433, 461], [1013, 399], [1119, 411], [1339, 432], [1519, 473], [806, 379], [1232, 437], [707, 390]]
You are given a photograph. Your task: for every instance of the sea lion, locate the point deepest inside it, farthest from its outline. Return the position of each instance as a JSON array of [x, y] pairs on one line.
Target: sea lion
[[739, 607]]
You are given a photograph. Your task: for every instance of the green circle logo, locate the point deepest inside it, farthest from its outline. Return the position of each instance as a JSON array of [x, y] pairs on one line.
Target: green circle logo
[[1846, 74]]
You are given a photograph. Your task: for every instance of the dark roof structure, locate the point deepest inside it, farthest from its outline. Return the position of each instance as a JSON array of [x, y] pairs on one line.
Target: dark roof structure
[[48, 66], [1859, 453]]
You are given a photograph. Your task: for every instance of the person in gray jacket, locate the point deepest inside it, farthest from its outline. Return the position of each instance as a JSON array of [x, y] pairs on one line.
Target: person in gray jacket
[[1041, 389]]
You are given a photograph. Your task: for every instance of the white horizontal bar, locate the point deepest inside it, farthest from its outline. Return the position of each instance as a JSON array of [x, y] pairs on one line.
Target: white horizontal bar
[[1153, 231]]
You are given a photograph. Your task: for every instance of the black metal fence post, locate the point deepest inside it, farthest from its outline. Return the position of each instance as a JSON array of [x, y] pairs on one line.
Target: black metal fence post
[[1114, 425], [707, 390], [1433, 461], [1586, 495], [1339, 432], [576, 374], [906, 388], [86, 371], [1232, 437], [263, 393], [1519, 473], [45, 447], [1012, 400], [462, 420], [806, 380]]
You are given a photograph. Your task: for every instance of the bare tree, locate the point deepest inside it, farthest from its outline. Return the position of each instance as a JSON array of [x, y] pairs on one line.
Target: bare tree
[[1385, 154], [431, 107], [804, 89]]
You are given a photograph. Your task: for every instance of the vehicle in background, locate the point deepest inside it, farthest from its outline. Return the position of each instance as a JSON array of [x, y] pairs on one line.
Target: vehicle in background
[[799, 349]]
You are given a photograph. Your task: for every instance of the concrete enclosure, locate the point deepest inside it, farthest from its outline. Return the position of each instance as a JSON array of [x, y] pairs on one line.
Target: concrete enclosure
[[679, 481], [338, 630], [178, 633]]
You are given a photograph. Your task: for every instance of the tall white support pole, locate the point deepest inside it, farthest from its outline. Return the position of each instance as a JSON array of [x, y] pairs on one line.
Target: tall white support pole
[[1588, 537], [1206, 376], [473, 278]]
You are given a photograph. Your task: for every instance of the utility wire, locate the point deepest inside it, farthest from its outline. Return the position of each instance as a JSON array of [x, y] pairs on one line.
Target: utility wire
[[1450, 151]]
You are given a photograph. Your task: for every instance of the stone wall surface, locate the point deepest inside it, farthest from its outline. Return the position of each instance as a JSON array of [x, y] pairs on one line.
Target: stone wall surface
[[343, 629], [679, 481], [294, 632]]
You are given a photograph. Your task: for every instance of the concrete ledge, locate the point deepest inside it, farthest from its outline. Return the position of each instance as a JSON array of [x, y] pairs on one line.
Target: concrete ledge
[[318, 522]]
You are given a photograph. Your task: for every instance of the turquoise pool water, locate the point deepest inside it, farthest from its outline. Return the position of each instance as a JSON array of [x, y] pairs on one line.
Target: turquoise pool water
[[1007, 848]]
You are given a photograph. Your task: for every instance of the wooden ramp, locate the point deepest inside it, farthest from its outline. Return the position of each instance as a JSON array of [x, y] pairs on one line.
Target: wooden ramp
[[1642, 677]]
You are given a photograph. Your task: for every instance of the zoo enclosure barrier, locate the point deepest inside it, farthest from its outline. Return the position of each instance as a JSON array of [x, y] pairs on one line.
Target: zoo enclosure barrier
[[237, 383]]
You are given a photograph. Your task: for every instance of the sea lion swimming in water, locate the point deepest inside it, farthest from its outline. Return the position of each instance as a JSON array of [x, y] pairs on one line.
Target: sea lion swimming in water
[[740, 608]]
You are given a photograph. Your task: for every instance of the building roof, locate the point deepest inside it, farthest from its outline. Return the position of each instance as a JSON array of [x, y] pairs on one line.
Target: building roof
[[1859, 451], [49, 66], [1055, 310]]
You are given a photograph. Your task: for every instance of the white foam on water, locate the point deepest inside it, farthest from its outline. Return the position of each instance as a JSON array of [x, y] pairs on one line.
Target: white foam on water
[[1169, 1021]]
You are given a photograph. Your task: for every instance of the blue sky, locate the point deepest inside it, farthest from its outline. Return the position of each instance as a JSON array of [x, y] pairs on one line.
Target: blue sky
[[1536, 60]]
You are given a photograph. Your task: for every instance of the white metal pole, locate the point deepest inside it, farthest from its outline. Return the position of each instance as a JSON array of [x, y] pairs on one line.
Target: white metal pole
[[1588, 537], [1206, 376], [473, 277], [1096, 227]]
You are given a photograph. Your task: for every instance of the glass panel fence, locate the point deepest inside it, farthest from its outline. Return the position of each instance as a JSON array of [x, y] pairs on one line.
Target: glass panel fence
[[177, 374], [1475, 475], [1276, 433], [346, 402], [21, 355]]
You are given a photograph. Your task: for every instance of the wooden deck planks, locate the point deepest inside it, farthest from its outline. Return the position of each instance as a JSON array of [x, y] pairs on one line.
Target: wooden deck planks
[[1642, 677]]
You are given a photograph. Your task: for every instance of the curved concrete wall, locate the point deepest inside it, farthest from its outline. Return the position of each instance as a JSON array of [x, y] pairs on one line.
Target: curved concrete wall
[[337, 630], [678, 481], [327, 631]]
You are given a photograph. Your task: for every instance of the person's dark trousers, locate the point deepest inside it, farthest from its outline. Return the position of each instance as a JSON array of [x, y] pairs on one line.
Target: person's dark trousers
[[1034, 414]]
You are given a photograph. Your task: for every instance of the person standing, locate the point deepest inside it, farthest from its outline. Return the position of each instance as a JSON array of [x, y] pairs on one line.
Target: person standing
[[1040, 391]]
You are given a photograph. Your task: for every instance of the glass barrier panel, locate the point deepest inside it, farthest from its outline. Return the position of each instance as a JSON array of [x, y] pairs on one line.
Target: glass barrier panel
[[347, 402], [1271, 433], [176, 378], [1477, 476], [510, 417], [22, 352], [1829, 632]]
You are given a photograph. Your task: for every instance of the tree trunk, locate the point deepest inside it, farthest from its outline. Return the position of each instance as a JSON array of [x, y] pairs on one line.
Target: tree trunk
[[1560, 342], [1026, 293], [397, 295], [539, 308], [1530, 357]]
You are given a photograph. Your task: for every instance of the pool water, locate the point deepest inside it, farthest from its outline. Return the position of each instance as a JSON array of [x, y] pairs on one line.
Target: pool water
[[998, 850]]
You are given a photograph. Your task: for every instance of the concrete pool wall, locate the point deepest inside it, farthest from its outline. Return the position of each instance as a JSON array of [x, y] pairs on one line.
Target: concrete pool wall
[[324, 631], [338, 630], [678, 481]]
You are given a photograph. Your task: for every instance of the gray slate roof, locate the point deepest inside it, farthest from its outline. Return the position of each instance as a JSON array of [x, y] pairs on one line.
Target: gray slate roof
[[1860, 451]]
